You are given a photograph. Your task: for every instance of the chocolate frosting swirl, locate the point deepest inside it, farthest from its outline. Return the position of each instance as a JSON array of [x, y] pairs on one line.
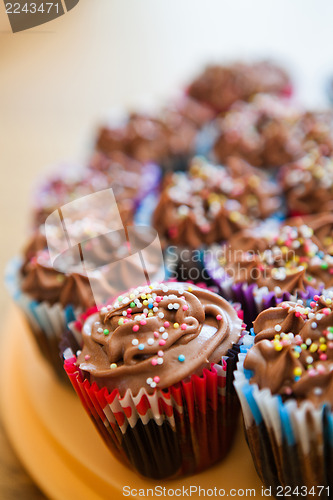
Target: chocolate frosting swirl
[[293, 351], [210, 203], [289, 259], [156, 336]]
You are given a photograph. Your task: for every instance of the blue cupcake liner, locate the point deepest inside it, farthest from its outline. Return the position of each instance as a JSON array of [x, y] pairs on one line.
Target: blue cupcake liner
[[47, 322], [291, 444]]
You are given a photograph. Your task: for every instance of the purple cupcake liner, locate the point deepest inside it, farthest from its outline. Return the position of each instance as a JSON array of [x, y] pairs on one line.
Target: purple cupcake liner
[[253, 300]]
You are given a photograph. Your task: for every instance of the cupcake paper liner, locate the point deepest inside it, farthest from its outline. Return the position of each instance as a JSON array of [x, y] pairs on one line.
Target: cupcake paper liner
[[46, 322], [253, 299], [172, 432], [291, 445]]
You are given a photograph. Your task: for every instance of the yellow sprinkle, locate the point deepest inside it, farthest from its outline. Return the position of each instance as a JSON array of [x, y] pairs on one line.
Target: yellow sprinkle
[[113, 365], [323, 347], [328, 301], [190, 289], [151, 287], [143, 296], [322, 340], [296, 354], [313, 347], [132, 296], [145, 302], [298, 371], [176, 325], [150, 315]]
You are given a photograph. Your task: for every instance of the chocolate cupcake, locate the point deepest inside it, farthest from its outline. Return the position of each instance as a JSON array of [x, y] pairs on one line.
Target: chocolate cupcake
[[168, 139], [263, 266], [265, 132], [284, 384], [155, 374], [53, 293], [308, 184], [221, 86], [210, 203], [130, 180]]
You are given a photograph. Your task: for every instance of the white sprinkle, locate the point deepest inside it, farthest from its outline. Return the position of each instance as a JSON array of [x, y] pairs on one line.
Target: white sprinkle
[[160, 315], [176, 306], [155, 309], [150, 341], [135, 342], [149, 380], [160, 361], [124, 313], [170, 306], [165, 335], [308, 341], [318, 391], [278, 328], [153, 385], [309, 360], [162, 329], [314, 325]]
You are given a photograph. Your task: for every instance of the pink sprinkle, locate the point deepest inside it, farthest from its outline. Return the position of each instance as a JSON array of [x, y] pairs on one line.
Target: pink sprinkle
[[219, 317], [166, 324], [330, 345], [183, 326], [158, 299], [135, 328], [87, 357], [312, 372], [156, 335], [331, 270], [323, 357], [298, 340], [156, 379], [143, 322], [155, 304], [185, 307], [285, 342], [154, 361], [161, 342], [129, 311], [160, 353], [312, 304], [316, 297], [320, 369], [297, 314], [326, 311], [288, 391], [125, 320], [284, 305]]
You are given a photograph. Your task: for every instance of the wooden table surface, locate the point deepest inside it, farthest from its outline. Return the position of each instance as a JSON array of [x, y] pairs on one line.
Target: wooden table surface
[[59, 80]]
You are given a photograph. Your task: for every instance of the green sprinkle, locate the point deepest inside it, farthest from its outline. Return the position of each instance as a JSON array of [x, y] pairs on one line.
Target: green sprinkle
[[324, 265], [120, 298], [132, 304], [106, 331]]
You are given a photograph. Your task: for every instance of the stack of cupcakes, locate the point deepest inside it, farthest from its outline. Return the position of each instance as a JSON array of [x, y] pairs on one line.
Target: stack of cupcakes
[[216, 173]]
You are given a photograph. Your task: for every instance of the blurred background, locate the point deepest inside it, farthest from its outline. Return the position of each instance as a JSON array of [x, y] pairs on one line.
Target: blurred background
[[60, 80]]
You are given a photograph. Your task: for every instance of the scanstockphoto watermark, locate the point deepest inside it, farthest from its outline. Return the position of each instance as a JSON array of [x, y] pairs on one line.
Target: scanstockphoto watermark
[[188, 491], [26, 14], [87, 237], [230, 263]]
